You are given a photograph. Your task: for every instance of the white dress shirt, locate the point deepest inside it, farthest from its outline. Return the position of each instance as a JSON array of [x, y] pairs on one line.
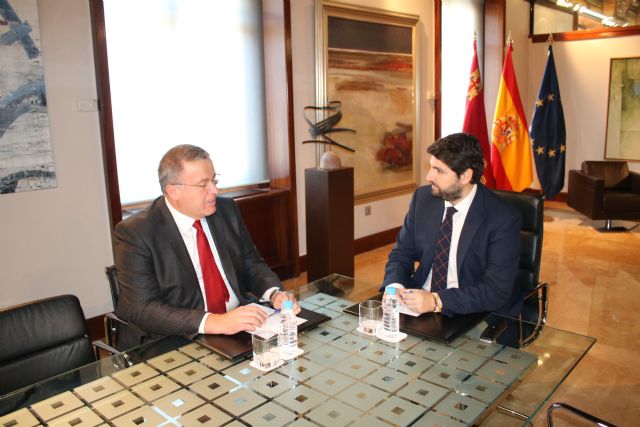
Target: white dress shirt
[[189, 236], [462, 208]]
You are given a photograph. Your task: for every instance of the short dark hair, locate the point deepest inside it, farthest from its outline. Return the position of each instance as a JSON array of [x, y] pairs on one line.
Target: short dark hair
[[460, 151], [171, 163]]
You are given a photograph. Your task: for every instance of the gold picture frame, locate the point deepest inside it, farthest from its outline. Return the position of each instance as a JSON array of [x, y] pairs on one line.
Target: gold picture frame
[[366, 59], [623, 111]]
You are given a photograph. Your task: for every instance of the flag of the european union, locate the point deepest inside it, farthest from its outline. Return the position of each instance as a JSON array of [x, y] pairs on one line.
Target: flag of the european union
[[548, 135]]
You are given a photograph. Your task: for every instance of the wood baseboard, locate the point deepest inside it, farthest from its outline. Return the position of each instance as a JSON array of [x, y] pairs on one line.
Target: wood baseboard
[[560, 197]]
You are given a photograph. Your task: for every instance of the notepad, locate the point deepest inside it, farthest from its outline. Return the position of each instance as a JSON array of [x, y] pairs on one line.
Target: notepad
[[239, 345], [435, 326]]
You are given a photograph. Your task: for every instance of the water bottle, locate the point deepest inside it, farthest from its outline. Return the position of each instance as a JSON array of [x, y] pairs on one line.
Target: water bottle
[[288, 336], [390, 313]]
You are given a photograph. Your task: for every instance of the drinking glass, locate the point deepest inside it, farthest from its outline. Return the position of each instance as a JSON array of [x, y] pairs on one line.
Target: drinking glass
[[264, 349], [370, 319]]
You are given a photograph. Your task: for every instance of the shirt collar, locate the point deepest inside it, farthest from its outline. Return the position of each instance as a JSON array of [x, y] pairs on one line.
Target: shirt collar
[[184, 222], [464, 204]]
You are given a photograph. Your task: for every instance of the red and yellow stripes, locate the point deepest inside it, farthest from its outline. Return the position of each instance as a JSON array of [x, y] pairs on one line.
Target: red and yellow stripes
[[510, 145]]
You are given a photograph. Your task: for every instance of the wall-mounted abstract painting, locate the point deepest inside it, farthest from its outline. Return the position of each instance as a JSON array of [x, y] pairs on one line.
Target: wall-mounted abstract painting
[[366, 59], [623, 112], [26, 155]]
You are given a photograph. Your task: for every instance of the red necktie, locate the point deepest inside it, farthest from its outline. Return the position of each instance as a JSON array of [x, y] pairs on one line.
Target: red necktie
[[215, 290], [440, 266]]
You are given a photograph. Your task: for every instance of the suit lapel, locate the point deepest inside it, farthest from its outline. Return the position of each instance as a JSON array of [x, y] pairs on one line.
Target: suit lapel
[[433, 220], [168, 229], [473, 222], [216, 225]]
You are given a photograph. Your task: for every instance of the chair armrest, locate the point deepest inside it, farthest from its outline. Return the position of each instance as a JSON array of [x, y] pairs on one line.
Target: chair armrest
[[585, 181], [122, 361], [111, 322], [531, 327], [586, 193], [99, 345], [635, 182], [115, 317]]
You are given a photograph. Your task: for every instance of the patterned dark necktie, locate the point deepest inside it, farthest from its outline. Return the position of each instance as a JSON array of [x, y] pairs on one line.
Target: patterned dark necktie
[[441, 257], [215, 290]]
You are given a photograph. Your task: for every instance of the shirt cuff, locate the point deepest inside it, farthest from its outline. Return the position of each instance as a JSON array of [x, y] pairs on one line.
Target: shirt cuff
[[267, 294], [202, 323]]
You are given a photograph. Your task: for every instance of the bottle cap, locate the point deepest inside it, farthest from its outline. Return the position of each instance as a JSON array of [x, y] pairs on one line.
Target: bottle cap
[[287, 305], [391, 290]]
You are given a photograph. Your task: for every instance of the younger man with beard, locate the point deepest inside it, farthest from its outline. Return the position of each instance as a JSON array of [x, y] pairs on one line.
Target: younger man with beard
[[464, 238]]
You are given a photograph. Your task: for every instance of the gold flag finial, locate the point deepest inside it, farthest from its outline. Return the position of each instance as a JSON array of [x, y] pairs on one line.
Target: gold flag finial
[[550, 39], [509, 39]]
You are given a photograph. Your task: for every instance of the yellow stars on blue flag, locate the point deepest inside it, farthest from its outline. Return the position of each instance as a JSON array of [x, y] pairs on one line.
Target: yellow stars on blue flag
[[547, 133]]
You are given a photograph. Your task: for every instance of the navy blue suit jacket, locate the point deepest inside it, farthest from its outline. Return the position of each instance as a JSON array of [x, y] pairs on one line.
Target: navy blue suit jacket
[[488, 253]]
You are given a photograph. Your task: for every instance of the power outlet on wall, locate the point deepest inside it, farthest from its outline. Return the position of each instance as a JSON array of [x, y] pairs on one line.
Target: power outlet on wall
[[367, 210]]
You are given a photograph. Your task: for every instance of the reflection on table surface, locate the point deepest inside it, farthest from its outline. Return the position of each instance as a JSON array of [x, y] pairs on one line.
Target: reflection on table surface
[[343, 378]]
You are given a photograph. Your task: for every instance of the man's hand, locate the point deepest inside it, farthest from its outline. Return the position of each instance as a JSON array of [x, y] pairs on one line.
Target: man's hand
[[418, 300], [243, 318], [280, 297]]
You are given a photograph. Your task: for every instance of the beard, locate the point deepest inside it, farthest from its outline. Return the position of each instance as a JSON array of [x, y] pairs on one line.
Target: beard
[[450, 194]]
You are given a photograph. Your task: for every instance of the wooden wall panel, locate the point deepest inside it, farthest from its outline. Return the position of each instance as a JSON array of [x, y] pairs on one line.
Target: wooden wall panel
[[267, 216]]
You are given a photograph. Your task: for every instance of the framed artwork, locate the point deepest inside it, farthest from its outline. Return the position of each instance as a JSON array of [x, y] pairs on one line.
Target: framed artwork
[[623, 112], [26, 153], [366, 60]]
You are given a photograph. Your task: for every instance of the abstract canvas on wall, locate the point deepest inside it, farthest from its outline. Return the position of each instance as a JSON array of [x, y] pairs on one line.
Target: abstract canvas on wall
[[369, 64], [26, 155], [623, 113]]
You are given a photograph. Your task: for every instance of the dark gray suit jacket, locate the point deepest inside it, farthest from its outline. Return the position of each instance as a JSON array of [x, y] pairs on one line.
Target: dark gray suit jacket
[[487, 258], [160, 294]]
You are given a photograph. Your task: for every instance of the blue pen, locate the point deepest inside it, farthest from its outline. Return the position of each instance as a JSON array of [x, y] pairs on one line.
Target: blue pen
[[275, 312]]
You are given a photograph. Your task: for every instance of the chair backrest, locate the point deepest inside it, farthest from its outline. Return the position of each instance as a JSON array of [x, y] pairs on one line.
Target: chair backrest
[[114, 284], [531, 207], [615, 173], [41, 339]]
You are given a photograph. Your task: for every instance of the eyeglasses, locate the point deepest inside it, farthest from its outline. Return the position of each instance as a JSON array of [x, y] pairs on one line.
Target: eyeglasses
[[202, 184]]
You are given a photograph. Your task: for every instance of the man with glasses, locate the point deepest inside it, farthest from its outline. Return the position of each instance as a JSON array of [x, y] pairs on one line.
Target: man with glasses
[[186, 264]]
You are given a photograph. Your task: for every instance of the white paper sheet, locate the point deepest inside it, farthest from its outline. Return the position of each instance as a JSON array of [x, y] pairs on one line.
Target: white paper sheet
[[273, 320], [405, 310]]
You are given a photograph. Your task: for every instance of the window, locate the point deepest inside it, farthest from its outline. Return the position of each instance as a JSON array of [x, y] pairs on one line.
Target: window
[[459, 20], [186, 71]]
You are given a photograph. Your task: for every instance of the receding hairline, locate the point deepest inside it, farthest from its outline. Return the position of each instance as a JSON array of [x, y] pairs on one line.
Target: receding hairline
[[172, 163]]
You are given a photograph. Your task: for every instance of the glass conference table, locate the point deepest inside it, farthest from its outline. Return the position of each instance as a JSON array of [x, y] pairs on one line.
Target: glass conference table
[[343, 378]]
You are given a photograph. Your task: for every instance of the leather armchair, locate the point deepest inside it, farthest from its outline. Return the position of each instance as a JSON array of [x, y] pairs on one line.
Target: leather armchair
[[41, 339], [605, 190]]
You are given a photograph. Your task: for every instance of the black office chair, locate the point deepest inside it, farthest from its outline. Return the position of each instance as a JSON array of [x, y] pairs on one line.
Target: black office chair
[[535, 294], [41, 339], [112, 322], [578, 412]]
